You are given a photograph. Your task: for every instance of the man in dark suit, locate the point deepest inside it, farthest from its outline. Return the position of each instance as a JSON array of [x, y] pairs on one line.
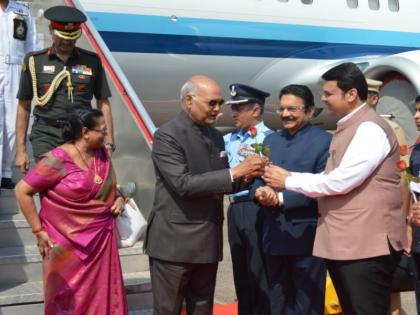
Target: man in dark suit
[[297, 279], [184, 237]]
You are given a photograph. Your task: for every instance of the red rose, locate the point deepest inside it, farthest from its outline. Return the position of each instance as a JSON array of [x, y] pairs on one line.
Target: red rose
[[253, 132], [403, 150], [401, 165]]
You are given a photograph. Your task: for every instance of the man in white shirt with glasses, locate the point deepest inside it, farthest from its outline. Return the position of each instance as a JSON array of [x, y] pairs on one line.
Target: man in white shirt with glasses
[[361, 223]]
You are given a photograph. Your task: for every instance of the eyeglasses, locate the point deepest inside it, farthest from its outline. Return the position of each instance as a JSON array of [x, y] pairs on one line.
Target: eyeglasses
[[103, 131], [290, 109], [212, 103]]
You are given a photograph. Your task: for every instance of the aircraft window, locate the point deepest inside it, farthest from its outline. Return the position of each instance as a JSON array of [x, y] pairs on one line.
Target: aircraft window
[[352, 4], [374, 4], [393, 5], [307, 1]]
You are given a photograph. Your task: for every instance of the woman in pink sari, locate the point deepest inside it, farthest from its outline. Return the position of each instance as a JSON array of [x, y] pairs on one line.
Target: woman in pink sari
[[75, 228]]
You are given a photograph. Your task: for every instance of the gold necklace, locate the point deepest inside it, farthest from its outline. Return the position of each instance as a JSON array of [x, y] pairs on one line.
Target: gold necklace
[[96, 178]]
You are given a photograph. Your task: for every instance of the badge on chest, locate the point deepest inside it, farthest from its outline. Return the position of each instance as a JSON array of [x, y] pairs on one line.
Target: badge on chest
[[50, 69], [20, 28], [245, 150], [81, 69]]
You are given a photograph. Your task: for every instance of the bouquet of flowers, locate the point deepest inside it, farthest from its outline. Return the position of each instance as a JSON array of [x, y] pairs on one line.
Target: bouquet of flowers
[[259, 148]]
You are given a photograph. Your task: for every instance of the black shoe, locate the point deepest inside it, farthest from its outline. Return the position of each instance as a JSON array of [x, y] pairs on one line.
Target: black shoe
[[6, 183]]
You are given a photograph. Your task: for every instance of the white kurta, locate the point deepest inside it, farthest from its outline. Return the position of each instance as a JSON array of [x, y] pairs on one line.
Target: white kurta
[[367, 150], [12, 52]]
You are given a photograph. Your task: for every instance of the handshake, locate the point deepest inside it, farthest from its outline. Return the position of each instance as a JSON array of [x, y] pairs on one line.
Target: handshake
[[254, 165], [274, 177], [414, 217]]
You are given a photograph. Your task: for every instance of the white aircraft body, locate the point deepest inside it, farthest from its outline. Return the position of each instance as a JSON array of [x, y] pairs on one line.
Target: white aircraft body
[[265, 43]]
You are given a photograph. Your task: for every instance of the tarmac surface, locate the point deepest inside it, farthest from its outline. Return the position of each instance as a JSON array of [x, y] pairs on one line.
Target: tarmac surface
[[225, 290]]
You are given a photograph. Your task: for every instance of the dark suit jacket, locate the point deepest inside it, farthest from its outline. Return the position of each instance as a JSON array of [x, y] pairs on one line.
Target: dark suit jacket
[[290, 229], [415, 170], [192, 175]]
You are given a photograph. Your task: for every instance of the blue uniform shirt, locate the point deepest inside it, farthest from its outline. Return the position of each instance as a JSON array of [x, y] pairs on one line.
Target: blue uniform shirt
[[238, 146]]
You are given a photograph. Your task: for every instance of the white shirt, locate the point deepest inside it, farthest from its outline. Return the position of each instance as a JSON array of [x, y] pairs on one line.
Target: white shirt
[[14, 49], [366, 152]]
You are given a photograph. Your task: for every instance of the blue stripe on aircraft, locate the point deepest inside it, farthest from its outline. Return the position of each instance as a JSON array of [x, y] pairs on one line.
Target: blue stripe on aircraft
[[199, 27], [200, 45]]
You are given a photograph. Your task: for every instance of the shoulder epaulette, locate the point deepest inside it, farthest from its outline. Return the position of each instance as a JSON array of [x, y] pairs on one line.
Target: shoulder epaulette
[[37, 52], [19, 8], [23, 3], [227, 136], [88, 52]]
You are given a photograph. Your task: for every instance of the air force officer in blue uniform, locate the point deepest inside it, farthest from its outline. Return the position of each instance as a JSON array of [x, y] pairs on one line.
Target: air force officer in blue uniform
[[244, 215], [297, 279]]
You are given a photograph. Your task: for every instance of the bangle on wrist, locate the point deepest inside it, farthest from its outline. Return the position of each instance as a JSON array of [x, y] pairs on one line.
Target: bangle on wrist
[[122, 197], [110, 146], [38, 230]]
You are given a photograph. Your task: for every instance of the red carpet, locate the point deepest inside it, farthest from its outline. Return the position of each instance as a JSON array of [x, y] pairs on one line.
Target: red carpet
[[222, 309]]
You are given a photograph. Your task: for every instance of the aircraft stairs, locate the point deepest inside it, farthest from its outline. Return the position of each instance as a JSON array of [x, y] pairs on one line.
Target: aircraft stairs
[[20, 263]]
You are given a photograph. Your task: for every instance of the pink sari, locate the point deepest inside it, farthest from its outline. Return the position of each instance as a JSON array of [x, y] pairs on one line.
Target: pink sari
[[83, 274]]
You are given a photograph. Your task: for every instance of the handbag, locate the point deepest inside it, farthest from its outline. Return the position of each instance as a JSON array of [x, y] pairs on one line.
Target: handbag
[[131, 224], [405, 275]]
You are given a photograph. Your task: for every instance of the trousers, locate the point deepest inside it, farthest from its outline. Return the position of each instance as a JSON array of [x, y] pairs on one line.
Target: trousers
[[364, 285], [249, 273], [297, 284], [9, 84], [174, 282]]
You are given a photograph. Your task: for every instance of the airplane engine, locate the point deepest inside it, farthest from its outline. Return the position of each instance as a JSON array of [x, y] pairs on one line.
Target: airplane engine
[[400, 75]]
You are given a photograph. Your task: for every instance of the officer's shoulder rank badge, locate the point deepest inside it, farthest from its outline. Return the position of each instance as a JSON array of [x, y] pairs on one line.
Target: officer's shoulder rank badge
[[20, 28]]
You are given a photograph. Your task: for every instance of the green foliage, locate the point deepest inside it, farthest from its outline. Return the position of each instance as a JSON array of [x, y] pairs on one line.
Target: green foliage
[[261, 149]]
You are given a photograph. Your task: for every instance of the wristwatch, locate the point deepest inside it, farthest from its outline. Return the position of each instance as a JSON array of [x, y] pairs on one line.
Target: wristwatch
[[110, 146]]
